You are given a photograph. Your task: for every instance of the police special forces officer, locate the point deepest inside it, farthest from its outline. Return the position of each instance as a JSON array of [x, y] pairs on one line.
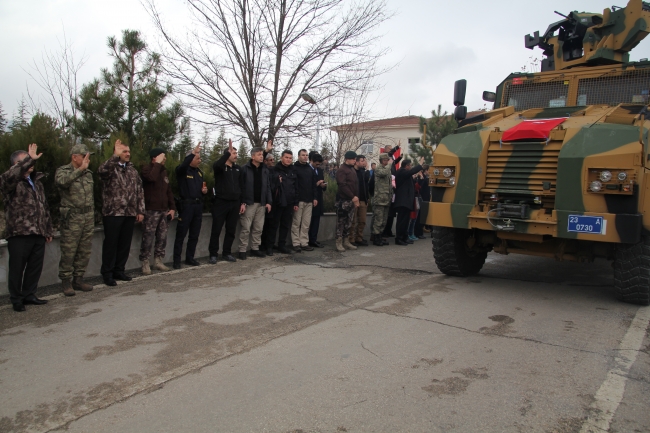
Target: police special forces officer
[[192, 188], [75, 184]]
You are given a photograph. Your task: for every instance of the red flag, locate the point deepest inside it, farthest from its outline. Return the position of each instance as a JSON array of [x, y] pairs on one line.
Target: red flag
[[536, 129], [396, 155]]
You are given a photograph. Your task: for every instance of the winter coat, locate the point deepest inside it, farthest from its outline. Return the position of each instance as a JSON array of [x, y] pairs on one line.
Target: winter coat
[[247, 180], [346, 178], [26, 209], [306, 182], [405, 188], [285, 192], [226, 179], [122, 192], [157, 189]]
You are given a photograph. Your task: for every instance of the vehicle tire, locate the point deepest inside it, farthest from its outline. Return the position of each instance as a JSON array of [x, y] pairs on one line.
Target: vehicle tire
[[452, 254], [632, 272]]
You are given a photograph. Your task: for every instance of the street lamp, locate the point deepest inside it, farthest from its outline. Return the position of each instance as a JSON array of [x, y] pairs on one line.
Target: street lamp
[[309, 98]]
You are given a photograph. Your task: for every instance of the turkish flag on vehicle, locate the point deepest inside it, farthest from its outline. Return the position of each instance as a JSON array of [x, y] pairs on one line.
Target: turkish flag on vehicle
[[536, 129]]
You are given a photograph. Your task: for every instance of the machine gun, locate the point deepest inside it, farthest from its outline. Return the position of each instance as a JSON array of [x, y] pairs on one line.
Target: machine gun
[[589, 39]]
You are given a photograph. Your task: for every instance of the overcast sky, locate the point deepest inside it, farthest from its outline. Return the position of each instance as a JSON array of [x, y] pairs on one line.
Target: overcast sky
[[432, 43]]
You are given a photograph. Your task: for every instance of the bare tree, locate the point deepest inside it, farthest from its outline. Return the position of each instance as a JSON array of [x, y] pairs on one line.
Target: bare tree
[[57, 75], [246, 63]]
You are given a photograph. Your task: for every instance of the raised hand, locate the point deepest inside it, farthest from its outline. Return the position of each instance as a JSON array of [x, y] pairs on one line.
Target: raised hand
[[230, 148], [119, 147], [269, 146], [85, 163], [197, 149], [33, 148], [421, 160], [160, 158]]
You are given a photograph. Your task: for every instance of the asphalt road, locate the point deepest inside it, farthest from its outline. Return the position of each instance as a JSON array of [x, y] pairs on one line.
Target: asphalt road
[[373, 340]]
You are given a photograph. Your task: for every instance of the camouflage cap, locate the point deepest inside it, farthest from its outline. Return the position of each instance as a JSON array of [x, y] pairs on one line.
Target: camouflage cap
[[383, 156], [80, 149]]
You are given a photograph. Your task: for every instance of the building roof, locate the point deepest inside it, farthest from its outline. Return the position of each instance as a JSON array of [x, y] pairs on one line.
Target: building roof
[[398, 122]]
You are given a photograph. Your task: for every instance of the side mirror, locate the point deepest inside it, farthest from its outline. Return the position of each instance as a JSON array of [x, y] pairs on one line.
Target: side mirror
[[460, 113], [460, 88], [489, 96]]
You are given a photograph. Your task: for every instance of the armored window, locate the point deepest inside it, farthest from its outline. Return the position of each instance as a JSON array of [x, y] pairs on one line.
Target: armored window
[[526, 94], [630, 87]]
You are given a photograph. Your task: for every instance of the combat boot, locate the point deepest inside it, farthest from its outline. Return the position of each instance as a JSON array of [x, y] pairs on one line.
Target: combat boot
[[67, 288], [146, 270], [377, 241], [347, 245], [78, 284], [339, 245], [158, 265]]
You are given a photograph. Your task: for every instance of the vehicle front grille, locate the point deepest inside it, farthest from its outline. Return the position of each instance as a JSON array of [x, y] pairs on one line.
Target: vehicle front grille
[[522, 168]]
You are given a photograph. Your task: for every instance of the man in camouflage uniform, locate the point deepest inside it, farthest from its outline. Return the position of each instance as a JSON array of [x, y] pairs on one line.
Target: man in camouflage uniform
[[382, 198], [29, 226], [123, 206], [75, 184], [347, 200], [159, 205]]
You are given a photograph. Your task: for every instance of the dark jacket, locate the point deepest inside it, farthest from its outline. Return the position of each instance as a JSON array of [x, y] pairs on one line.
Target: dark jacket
[[226, 179], [320, 189], [247, 179], [348, 182], [190, 179], [405, 188], [425, 190], [122, 192], [285, 192], [363, 178], [26, 209], [306, 182], [157, 189]]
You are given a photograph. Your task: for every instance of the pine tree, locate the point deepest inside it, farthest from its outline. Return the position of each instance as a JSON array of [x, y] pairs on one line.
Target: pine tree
[[20, 118], [129, 98], [185, 144], [3, 120], [243, 153], [439, 125]]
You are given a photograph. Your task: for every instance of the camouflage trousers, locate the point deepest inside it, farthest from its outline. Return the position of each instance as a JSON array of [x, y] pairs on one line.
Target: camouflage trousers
[[76, 242], [379, 218], [344, 214], [154, 225]]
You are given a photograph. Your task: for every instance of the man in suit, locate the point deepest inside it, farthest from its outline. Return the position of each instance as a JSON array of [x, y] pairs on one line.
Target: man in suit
[[315, 161]]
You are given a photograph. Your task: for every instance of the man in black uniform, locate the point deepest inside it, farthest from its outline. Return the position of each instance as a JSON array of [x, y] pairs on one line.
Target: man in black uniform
[[285, 202], [226, 207], [192, 189], [315, 161]]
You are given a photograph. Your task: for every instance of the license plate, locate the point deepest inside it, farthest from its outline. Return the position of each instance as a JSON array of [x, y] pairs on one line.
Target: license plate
[[587, 224]]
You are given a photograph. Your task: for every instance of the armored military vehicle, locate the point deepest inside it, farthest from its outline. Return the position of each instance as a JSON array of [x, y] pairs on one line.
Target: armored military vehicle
[[560, 167]]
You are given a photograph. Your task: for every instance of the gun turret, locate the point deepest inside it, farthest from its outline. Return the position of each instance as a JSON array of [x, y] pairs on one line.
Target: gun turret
[[585, 38]]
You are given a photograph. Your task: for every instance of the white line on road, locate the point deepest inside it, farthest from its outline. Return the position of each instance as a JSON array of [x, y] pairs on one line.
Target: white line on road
[[610, 394]]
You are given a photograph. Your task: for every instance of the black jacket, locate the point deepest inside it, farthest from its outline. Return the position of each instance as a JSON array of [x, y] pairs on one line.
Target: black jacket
[[285, 192], [425, 190], [364, 193], [306, 182], [320, 190], [190, 179], [226, 179], [405, 188], [247, 180]]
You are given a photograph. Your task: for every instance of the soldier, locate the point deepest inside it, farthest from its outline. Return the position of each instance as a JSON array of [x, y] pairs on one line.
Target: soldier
[[190, 215], [159, 206], [382, 198], [347, 200], [123, 206], [360, 213], [29, 226], [75, 184]]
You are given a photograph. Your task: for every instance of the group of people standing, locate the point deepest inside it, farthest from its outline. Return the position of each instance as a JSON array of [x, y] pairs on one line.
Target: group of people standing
[[269, 199]]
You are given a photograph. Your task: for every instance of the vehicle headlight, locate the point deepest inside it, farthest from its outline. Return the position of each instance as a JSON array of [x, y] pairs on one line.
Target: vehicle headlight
[[452, 181], [595, 186], [605, 175], [436, 172], [622, 176], [447, 172]]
